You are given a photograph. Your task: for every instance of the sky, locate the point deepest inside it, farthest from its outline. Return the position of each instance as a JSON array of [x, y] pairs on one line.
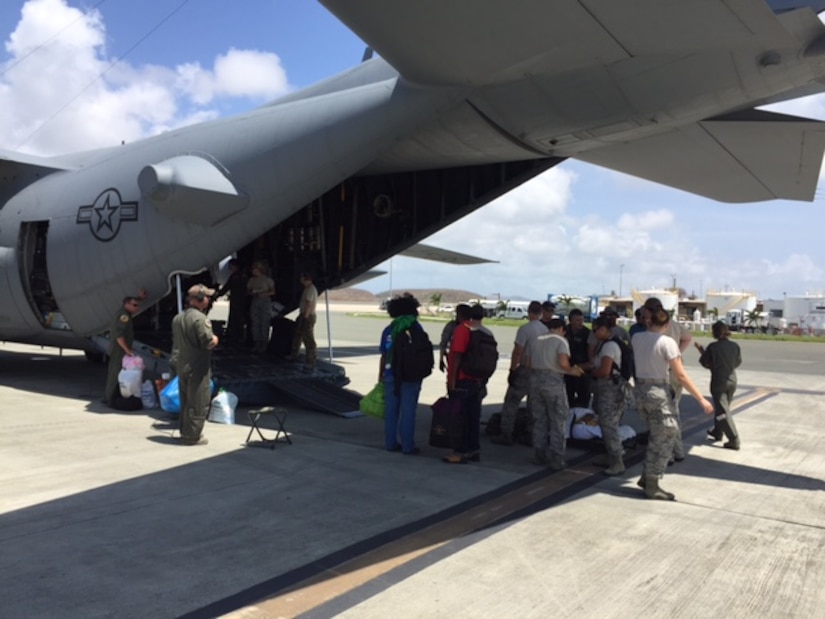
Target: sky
[[80, 76]]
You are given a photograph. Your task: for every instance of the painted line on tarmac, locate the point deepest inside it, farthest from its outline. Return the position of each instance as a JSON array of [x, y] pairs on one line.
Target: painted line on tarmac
[[754, 397], [792, 391], [339, 574]]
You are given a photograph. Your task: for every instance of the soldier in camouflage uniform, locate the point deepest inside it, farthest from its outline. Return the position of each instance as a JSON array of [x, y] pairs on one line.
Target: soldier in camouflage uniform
[[683, 338], [656, 354], [121, 338], [261, 289], [192, 344], [608, 396], [518, 380], [549, 358]]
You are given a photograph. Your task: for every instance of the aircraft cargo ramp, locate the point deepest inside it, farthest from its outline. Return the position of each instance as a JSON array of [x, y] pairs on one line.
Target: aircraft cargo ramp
[[263, 380], [267, 380], [321, 395]]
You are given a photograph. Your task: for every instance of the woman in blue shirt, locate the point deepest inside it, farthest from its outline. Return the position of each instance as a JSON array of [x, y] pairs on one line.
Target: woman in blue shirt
[[401, 397]]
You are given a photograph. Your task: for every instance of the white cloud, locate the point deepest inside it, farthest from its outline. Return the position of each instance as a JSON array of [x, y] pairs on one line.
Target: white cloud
[[545, 242], [650, 220], [798, 266], [61, 92], [238, 73], [521, 216]]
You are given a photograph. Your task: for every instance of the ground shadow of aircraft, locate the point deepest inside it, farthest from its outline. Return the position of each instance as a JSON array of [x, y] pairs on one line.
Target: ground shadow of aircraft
[[344, 174]]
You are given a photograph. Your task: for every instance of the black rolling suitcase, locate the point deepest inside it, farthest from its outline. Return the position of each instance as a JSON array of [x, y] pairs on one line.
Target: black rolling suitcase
[[447, 428]]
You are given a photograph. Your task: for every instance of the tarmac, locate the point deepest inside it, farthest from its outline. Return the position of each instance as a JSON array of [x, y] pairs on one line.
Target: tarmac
[[103, 514]]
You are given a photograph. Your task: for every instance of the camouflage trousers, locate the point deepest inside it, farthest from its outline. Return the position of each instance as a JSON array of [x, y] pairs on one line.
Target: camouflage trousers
[[260, 317], [658, 410], [305, 333], [676, 386], [548, 403], [518, 387], [609, 403]]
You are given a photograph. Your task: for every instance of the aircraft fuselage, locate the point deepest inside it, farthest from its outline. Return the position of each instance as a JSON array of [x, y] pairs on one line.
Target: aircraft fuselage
[[79, 232]]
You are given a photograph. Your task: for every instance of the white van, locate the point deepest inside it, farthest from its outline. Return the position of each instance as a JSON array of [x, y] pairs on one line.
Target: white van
[[516, 310]]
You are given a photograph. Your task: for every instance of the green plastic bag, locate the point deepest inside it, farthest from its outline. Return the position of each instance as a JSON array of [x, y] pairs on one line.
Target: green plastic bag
[[372, 404]]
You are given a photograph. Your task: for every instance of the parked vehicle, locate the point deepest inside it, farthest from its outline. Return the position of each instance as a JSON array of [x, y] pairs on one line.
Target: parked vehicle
[[515, 310]]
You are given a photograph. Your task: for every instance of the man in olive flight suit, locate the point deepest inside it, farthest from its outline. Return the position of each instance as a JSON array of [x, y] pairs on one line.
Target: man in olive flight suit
[[121, 338], [192, 344]]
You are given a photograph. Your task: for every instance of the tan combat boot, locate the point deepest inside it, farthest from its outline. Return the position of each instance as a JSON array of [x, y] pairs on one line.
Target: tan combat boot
[[653, 491], [616, 466]]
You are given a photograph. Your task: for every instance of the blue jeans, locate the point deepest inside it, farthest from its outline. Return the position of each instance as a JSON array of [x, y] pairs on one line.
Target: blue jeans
[[399, 414]]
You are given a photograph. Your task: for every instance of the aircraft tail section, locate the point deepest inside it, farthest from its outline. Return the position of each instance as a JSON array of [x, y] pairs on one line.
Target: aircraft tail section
[[743, 157]]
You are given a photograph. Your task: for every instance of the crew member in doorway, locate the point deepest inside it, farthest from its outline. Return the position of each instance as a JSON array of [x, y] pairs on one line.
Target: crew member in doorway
[[305, 324], [260, 289]]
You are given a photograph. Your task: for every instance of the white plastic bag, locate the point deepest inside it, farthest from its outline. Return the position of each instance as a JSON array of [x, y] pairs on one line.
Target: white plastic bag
[[129, 382], [147, 395], [223, 406]]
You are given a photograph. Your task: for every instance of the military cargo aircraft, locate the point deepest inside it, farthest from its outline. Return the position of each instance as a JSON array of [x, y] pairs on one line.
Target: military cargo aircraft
[[463, 102]]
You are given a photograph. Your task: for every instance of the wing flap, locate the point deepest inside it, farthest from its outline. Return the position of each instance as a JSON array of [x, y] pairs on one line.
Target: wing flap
[[428, 252], [476, 42], [747, 157]]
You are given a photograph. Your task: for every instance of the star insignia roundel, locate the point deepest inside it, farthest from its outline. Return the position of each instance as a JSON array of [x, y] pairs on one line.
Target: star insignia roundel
[[106, 214]]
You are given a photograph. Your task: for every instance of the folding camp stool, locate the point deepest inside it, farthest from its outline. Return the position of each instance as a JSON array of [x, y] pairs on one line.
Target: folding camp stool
[[279, 414]]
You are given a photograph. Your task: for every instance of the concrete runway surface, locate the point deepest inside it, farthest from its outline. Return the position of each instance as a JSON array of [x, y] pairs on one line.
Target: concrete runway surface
[[102, 514]]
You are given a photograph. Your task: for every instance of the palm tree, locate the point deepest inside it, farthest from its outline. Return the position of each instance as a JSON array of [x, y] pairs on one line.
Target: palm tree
[[753, 318], [566, 300], [713, 312]]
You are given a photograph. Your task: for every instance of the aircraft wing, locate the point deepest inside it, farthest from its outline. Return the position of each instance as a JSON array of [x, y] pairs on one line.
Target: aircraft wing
[[428, 252], [477, 42], [419, 250], [744, 157]]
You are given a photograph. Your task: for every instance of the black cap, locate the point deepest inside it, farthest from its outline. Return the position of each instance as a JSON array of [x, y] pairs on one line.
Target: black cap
[[548, 305], [610, 310]]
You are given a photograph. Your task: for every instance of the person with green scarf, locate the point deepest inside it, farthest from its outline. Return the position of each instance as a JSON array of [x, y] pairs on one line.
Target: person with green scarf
[[401, 399]]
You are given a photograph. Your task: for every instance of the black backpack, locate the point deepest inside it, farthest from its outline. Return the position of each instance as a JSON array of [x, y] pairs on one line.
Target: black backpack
[[627, 370], [481, 357], [413, 358]]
